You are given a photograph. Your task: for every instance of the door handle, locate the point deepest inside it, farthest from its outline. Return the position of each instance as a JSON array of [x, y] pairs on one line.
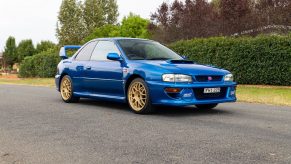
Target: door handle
[[88, 67]]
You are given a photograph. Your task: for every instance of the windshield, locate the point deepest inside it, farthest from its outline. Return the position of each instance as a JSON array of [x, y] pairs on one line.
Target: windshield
[[136, 49]]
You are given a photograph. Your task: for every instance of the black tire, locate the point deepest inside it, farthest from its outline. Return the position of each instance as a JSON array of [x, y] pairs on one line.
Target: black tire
[[206, 106], [144, 105], [68, 97]]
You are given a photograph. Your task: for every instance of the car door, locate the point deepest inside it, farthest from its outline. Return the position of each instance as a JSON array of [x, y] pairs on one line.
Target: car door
[[78, 66], [105, 76]]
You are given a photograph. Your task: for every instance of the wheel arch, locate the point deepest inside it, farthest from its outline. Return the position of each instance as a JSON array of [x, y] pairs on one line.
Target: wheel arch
[[129, 80], [61, 77]]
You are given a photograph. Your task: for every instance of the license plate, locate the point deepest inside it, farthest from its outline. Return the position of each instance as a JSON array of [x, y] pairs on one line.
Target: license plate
[[212, 90]]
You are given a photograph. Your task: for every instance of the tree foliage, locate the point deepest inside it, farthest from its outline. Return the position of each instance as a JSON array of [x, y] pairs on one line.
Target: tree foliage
[[132, 26], [103, 32], [70, 26], [77, 20], [10, 53], [111, 11], [25, 48], [93, 14], [45, 46], [135, 27], [203, 18], [273, 12], [235, 15]]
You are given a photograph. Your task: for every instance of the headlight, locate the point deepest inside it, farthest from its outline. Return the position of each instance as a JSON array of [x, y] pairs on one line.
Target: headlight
[[177, 78], [228, 77]]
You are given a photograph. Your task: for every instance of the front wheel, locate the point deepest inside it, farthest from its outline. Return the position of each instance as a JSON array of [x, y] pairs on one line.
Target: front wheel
[[206, 106], [66, 88], [138, 97]]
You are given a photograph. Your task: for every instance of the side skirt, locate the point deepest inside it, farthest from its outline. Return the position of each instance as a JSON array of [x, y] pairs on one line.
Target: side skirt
[[100, 96]]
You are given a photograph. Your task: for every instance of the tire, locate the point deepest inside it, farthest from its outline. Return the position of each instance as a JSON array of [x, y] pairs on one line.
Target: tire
[[138, 97], [206, 106], [66, 88]]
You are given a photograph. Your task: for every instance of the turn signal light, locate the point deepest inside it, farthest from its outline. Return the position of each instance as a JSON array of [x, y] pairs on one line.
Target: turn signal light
[[173, 90]]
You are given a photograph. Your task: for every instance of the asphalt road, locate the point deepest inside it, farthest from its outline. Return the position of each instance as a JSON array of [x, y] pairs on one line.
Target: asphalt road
[[37, 127]]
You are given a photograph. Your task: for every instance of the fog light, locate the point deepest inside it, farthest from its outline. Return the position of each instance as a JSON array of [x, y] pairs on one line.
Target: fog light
[[173, 90]]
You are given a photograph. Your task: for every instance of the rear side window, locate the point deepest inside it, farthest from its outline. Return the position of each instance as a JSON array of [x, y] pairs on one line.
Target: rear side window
[[102, 49], [86, 52]]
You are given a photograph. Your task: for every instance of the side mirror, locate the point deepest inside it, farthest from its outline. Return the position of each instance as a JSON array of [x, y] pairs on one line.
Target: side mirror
[[63, 54], [114, 57]]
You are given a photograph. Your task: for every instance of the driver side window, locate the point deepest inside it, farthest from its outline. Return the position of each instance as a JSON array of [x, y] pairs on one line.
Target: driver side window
[[102, 49]]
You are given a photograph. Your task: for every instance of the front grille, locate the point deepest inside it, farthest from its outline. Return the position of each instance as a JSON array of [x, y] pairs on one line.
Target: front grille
[[200, 95], [208, 78]]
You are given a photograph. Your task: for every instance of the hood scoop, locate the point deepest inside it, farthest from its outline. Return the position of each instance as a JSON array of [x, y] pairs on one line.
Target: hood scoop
[[180, 62]]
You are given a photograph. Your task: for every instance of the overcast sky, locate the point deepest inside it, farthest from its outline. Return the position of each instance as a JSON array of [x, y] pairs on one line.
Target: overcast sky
[[36, 19]]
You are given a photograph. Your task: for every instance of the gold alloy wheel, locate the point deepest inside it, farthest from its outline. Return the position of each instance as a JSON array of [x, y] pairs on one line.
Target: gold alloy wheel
[[66, 88], [137, 96]]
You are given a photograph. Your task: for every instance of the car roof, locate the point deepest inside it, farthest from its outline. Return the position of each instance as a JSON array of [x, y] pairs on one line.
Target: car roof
[[121, 38]]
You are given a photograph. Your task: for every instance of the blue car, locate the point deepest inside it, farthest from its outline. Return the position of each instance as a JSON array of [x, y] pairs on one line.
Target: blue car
[[142, 73]]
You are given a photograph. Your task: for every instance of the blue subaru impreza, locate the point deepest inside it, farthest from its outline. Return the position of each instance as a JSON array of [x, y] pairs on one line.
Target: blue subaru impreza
[[143, 73]]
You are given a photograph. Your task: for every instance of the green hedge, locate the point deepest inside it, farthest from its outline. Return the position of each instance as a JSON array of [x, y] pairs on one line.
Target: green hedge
[[260, 60], [42, 65]]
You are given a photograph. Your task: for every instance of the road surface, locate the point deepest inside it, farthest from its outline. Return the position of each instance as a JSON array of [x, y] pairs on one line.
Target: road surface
[[37, 127]]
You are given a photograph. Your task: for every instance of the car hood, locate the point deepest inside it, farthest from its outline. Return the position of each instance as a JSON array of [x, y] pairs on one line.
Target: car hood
[[182, 68]]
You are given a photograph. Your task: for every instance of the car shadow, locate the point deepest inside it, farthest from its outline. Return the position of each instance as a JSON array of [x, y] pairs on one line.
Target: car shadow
[[105, 104], [188, 111], [160, 110]]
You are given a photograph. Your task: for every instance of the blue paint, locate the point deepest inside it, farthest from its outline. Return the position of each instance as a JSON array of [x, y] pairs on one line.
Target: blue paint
[[108, 79]]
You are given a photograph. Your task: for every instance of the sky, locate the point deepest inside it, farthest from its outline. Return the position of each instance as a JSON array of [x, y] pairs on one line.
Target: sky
[[36, 19]]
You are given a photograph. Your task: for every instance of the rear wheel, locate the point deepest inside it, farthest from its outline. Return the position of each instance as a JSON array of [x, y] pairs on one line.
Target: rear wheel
[[206, 106], [66, 88], [138, 97]]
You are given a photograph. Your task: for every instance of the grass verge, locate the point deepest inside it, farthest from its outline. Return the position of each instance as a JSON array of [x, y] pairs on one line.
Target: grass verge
[[274, 95], [48, 82]]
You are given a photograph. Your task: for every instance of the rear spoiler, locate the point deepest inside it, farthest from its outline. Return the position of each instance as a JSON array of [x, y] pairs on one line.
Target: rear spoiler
[[63, 51]]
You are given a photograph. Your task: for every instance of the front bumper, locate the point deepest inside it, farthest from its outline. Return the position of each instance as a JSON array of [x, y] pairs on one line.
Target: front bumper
[[188, 95]]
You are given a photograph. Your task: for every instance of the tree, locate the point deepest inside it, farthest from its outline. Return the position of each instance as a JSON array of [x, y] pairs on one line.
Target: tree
[[25, 48], [176, 21], [111, 11], [175, 24], [10, 54], [134, 26], [199, 19], [235, 14], [274, 12], [44, 46], [160, 23], [70, 26], [94, 14], [97, 13], [103, 32], [216, 4]]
